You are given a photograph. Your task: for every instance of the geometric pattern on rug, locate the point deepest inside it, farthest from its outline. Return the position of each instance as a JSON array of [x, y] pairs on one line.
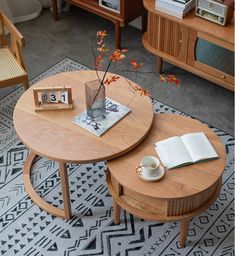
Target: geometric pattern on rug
[[26, 230]]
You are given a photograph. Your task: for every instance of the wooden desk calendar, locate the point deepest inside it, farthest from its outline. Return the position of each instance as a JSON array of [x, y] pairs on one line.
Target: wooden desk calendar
[[52, 98]]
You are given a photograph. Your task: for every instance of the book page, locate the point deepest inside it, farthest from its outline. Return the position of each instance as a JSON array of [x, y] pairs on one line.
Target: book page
[[172, 152], [198, 146]]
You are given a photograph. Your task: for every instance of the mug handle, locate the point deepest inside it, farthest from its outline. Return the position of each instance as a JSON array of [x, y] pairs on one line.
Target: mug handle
[[137, 169]]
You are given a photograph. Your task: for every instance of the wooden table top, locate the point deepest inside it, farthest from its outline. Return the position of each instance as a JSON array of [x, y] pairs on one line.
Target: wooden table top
[[53, 135], [176, 183]]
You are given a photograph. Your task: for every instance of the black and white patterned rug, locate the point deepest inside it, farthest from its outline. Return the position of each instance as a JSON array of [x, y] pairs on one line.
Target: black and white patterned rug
[[29, 231]]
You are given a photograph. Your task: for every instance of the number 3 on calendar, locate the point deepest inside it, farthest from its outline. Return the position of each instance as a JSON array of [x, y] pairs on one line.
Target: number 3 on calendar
[[53, 97]]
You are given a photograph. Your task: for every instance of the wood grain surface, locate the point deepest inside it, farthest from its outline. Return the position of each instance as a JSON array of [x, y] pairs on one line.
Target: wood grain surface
[[183, 182], [53, 135], [174, 40], [224, 33], [182, 193]]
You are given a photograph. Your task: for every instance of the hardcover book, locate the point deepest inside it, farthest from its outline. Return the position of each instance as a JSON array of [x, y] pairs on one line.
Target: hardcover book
[[114, 113], [174, 8], [188, 149], [176, 4]]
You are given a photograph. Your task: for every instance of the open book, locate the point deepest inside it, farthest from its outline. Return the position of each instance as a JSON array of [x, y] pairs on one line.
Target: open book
[[187, 149]]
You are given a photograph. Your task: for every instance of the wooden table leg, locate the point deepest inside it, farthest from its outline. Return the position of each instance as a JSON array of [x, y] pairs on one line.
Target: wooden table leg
[[62, 213], [117, 35], [116, 212], [116, 207], [184, 225], [159, 65], [65, 190], [54, 9]]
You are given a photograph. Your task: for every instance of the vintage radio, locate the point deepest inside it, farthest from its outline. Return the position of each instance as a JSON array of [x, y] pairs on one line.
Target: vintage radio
[[219, 11]]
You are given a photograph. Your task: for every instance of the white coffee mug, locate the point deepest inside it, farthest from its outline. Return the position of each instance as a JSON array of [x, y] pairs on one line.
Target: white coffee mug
[[149, 167]]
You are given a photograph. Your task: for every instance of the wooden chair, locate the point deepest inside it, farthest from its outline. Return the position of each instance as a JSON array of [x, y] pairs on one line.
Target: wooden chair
[[12, 68]]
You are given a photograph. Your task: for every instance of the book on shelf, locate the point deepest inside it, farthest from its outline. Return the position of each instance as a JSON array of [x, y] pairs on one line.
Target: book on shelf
[[186, 149], [179, 1], [171, 12], [114, 113], [175, 4], [182, 1], [171, 9]]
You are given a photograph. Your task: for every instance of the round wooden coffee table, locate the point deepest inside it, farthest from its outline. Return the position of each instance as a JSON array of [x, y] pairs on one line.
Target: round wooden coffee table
[[182, 192], [52, 134]]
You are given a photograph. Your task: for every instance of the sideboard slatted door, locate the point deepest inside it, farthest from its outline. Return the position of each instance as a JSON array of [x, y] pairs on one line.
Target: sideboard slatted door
[[168, 37]]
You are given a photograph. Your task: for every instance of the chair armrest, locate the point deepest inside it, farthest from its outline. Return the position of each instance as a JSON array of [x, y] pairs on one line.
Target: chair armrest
[[13, 30], [17, 40]]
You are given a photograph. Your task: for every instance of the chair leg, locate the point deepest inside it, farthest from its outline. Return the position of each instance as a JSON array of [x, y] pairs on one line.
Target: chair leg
[[26, 85]]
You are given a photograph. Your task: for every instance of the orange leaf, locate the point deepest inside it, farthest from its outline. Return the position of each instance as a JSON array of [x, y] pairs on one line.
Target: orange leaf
[[162, 78], [124, 50], [116, 56], [108, 81], [101, 33], [102, 49], [141, 90], [135, 64]]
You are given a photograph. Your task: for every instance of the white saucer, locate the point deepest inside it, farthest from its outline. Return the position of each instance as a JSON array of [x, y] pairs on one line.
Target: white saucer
[[160, 174]]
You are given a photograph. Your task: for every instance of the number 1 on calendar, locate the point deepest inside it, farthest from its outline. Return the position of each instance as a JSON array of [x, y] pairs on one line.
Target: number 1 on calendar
[[64, 97]]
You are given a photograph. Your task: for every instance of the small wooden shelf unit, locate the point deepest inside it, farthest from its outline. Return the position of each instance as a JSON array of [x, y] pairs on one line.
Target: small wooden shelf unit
[[174, 40], [129, 10]]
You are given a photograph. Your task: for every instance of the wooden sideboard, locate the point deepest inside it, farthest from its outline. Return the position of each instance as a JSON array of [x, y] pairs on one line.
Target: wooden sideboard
[[175, 41], [129, 10]]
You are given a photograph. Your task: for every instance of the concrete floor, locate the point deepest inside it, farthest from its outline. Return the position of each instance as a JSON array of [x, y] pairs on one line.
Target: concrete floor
[[48, 42]]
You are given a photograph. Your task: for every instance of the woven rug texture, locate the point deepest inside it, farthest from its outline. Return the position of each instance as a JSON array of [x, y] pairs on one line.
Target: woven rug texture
[[26, 230]]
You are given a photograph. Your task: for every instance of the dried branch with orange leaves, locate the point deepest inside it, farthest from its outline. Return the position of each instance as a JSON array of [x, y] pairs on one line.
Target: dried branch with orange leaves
[[116, 57]]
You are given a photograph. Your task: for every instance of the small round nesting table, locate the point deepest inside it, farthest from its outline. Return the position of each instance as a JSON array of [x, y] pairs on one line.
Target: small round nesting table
[[52, 134], [182, 192]]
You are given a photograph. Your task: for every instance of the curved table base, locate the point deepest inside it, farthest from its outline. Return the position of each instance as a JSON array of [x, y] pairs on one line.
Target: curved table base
[[143, 211], [62, 213]]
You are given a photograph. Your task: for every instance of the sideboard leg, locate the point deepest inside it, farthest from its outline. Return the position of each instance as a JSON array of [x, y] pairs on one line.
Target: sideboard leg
[[144, 22], [159, 65], [184, 225], [54, 9], [116, 212], [65, 190], [117, 35]]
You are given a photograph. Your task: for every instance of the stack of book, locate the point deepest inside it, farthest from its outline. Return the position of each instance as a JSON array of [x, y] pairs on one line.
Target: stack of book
[[177, 8]]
